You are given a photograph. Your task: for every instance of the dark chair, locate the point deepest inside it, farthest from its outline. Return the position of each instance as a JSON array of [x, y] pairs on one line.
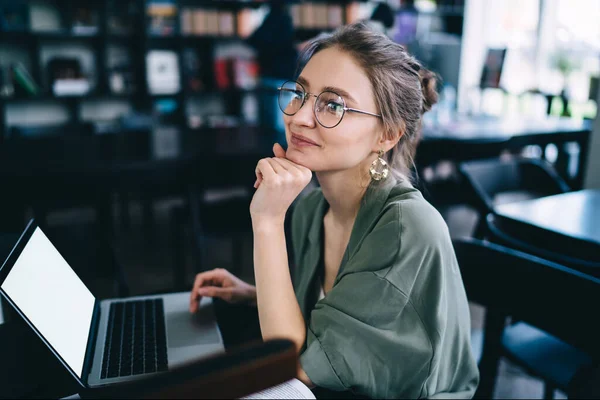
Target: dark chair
[[154, 180], [221, 211], [573, 253], [218, 207], [496, 181], [557, 337]]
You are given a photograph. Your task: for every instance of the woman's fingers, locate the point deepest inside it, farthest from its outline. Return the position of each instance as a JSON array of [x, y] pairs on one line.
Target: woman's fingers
[[209, 277], [265, 170], [214, 291], [278, 151], [277, 167], [288, 165], [280, 164]]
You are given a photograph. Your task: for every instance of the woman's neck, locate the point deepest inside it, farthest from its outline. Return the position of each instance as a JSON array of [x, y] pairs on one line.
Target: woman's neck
[[343, 191]]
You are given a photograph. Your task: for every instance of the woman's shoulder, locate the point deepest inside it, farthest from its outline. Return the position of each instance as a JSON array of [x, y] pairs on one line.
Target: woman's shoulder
[[395, 229], [415, 214], [423, 245], [413, 233]]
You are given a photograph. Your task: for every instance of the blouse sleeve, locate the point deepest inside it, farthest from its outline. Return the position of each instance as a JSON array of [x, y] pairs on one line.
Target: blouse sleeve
[[365, 336]]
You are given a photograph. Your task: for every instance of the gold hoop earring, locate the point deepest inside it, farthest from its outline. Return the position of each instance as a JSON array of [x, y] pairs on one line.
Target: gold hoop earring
[[379, 168]]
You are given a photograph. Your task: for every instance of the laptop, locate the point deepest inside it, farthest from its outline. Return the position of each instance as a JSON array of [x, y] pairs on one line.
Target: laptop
[[102, 342]]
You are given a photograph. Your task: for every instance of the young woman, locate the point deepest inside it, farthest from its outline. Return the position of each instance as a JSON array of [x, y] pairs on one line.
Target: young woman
[[377, 305]]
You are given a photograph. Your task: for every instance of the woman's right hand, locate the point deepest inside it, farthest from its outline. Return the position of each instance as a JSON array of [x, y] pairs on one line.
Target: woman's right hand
[[222, 284]]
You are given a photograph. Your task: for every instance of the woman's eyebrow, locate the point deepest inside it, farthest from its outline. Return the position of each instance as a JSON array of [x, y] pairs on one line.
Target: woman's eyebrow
[[339, 91], [301, 80]]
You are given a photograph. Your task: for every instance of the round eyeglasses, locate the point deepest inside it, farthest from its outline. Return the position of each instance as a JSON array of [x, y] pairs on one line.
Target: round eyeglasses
[[329, 108]]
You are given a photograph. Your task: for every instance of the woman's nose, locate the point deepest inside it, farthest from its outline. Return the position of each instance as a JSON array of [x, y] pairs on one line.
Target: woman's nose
[[305, 115]]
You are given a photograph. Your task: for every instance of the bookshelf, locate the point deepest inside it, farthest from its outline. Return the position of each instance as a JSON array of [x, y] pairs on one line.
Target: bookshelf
[[131, 26]]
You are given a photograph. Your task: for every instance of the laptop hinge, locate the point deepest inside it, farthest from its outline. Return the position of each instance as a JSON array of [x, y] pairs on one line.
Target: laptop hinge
[[91, 345]]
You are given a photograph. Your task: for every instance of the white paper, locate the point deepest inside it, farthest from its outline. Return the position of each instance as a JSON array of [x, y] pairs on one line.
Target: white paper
[[292, 389]]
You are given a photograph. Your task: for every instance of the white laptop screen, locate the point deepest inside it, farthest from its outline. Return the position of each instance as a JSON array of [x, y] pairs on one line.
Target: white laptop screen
[[53, 298]]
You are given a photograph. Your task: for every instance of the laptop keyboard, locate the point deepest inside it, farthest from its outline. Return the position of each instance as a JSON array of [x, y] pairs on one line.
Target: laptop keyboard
[[135, 339]]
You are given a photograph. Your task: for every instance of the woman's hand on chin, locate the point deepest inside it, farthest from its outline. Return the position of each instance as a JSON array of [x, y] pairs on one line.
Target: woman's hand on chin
[[278, 181]]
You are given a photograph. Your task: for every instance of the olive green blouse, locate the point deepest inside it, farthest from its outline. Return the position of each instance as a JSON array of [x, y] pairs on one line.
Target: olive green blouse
[[396, 322]]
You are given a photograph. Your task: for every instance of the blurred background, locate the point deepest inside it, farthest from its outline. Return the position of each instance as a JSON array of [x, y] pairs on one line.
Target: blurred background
[[130, 129]]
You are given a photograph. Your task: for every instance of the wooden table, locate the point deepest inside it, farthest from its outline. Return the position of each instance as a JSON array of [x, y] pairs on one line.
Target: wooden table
[[574, 214], [485, 137], [567, 223]]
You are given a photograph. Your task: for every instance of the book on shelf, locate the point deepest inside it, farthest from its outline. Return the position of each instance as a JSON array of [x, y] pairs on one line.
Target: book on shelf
[[71, 87], [245, 73], [162, 17], [307, 16], [201, 21], [235, 67], [226, 23], [186, 22], [295, 13], [85, 20], [223, 73], [244, 23], [317, 15], [162, 72], [335, 17], [24, 83], [320, 15], [212, 22]]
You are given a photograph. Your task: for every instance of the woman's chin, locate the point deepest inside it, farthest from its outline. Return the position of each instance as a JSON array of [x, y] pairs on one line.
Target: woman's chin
[[298, 158]]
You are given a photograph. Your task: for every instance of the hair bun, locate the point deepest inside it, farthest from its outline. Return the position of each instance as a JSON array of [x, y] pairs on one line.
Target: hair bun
[[428, 86]]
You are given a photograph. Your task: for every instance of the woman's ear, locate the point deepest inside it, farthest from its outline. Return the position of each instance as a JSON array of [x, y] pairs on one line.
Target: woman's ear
[[390, 140]]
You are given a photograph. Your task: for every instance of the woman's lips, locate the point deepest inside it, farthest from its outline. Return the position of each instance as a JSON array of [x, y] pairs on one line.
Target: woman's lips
[[302, 142]]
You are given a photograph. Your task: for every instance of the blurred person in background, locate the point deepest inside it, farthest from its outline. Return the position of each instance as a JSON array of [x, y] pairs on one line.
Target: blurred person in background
[[382, 18], [277, 55]]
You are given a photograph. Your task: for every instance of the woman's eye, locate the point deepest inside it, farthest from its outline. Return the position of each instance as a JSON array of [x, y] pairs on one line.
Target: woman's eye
[[334, 107]]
